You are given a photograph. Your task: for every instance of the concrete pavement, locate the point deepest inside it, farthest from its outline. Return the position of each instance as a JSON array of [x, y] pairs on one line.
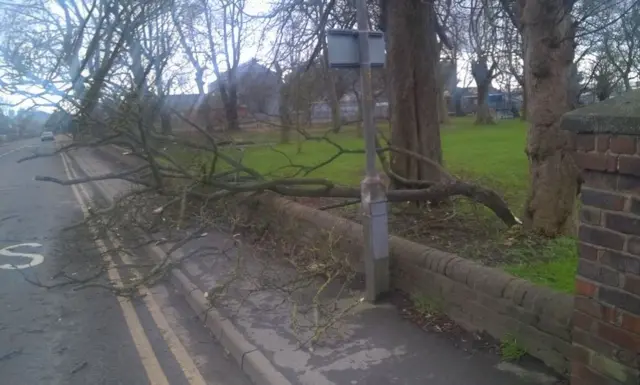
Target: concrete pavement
[[61, 336]]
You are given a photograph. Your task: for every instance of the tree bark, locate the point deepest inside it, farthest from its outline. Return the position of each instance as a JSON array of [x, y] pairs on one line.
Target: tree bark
[[483, 75], [334, 103], [359, 117], [412, 67], [443, 108], [332, 95], [165, 122], [523, 114], [285, 117], [548, 35], [284, 110], [483, 112], [230, 101]]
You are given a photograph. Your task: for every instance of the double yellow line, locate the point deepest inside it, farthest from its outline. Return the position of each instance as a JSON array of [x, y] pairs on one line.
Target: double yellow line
[[152, 366]]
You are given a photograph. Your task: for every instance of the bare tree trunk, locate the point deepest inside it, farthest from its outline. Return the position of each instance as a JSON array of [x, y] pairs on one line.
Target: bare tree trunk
[[165, 122], [229, 96], [332, 95], [334, 103], [548, 58], [483, 112], [483, 75], [442, 78], [283, 106], [285, 117], [525, 99], [412, 66], [574, 89], [359, 117], [443, 108]]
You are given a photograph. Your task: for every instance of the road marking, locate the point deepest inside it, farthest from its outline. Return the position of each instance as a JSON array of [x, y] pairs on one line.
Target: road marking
[[180, 353], [152, 367], [183, 358], [14, 150], [36, 259]]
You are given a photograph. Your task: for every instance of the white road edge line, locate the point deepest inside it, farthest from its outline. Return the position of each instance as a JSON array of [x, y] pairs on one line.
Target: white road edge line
[[14, 150], [152, 367], [178, 350]]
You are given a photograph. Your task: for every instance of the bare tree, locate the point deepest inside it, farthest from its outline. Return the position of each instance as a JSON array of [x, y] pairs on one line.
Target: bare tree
[[483, 43], [212, 34], [510, 54], [621, 44]]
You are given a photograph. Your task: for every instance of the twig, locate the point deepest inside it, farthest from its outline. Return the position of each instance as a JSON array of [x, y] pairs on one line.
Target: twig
[[115, 175], [338, 205]]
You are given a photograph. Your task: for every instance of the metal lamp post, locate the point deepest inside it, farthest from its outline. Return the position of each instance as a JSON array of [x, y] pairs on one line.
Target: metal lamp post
[[365, 49]]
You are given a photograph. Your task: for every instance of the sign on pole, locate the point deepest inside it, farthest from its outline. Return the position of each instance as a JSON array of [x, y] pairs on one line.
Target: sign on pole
[[343, 48], [364, 49]]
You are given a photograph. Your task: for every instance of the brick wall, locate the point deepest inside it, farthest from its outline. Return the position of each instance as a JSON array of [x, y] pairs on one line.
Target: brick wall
[[606, 319]]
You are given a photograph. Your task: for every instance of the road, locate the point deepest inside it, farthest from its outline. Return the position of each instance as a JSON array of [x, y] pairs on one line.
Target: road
[[61, 336]]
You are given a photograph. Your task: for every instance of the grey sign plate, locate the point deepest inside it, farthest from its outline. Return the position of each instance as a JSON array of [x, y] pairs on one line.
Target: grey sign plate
[[344, 52]]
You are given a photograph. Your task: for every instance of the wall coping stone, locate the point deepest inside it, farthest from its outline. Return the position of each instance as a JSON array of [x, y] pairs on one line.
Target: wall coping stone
[[619, 116]]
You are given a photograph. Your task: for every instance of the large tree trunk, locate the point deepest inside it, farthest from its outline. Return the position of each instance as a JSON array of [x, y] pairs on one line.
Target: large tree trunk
[[412, 65], [483, 112], [165, 122], [284, 110], [334, 103], [229, 96], [483, 75], [332, 95], [231, 109], [574, 89], [525, 99], [549, 54], [359, 117], [443, 108], [285, 117]]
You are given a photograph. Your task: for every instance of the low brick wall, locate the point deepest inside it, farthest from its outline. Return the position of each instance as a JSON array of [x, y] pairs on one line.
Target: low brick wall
[[476, 297]]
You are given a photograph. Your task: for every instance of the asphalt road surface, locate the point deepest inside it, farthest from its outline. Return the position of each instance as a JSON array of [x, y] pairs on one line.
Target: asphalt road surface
[[61, 336]]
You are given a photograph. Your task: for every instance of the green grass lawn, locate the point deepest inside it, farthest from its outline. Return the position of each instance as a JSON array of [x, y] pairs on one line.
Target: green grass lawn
[[492, 156]]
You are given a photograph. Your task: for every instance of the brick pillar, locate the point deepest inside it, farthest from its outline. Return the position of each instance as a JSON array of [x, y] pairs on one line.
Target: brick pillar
[[606, 318]]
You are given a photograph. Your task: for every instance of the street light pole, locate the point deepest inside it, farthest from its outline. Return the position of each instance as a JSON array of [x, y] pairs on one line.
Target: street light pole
[[372, 189]]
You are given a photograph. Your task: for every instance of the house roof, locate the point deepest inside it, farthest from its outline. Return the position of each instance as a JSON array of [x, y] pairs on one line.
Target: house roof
[[249, 68]]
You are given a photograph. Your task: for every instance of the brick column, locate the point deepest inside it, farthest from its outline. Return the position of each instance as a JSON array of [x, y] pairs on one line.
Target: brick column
[[606, 318]]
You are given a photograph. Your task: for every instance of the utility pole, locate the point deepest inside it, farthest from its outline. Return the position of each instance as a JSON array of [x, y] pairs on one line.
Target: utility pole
[[364, 49], [372, 189]]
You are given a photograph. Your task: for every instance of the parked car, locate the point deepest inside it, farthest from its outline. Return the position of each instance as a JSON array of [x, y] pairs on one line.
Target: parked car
[[47, 136]]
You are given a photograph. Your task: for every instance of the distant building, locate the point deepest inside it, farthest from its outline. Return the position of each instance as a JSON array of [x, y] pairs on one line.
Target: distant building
[[189, 109], [258, 88]]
